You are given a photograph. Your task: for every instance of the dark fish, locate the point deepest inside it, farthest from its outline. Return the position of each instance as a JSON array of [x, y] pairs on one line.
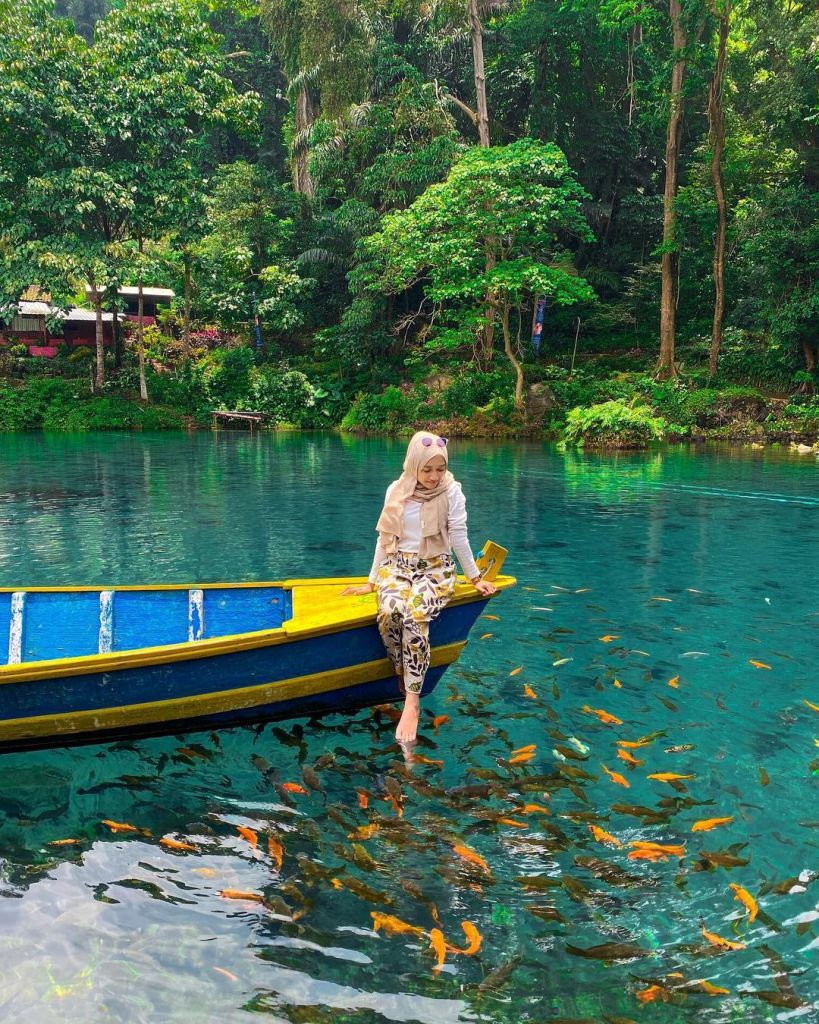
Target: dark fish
[[648, 815], [497, 978], [336, 814], [570, 754], [546, 913], [668, 703], [311, 779], [610, 873], [610, 951], [539, 883], [393, 787], [260, 763], [711, 859], [365, 892], [478, 790]]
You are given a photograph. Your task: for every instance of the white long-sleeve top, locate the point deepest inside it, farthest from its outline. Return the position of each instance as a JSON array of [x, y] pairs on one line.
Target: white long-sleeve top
[[411, 533]]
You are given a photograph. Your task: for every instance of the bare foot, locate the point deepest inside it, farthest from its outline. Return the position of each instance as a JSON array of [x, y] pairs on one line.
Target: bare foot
[[408, 725]]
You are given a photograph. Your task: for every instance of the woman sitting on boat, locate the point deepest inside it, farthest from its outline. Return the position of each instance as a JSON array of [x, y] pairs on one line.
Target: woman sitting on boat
[[423, 521]]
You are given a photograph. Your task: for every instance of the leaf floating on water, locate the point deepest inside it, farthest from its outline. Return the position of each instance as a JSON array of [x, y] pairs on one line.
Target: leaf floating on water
[[706, 824], [604, 716], [759, 664]]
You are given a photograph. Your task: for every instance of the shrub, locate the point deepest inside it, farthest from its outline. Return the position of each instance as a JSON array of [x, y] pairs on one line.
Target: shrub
[[613, 424], [389, 411], [287, 396], [19, 351]]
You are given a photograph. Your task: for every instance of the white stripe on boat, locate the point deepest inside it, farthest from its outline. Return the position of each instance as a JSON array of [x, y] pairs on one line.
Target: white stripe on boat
[[196, 614], [106, 621], [18, 606]]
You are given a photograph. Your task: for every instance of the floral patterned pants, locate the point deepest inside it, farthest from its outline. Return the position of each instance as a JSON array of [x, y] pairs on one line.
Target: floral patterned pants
[[411, 592]]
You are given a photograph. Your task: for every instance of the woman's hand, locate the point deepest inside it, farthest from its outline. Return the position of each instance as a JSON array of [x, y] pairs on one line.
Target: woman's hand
[[484, 587], [364, 588]]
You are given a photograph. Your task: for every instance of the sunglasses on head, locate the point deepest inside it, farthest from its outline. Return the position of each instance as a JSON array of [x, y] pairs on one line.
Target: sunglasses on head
[[440, 441]]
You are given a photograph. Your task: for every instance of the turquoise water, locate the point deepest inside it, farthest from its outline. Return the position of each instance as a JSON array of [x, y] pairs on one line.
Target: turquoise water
[[691, 564]]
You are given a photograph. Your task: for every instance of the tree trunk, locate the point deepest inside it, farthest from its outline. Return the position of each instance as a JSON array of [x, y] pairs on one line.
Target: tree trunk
[[117, 335], [670, 257], [507, 347], [99, 378], [143, 386], [476, 31], [186, 316], [305, 116], [716, 130]]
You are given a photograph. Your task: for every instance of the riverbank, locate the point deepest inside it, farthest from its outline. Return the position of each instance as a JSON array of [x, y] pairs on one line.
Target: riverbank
[[471, 406]]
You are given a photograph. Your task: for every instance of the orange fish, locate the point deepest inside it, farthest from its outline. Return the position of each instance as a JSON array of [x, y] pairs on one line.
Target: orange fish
[[228, 974], [604, 837], [438, 943], [63, 842], [674, 683], [175, 844], [746, 899], [712, 990], [706, 824], [718, 941], [604, 716], [240, 894], [472, 857], [249, 835], [513, 822], [485, 636], [189, 752], [427, 760], [616, 777], [759, 664], [618, 684], [634, 744], [630, 759], [527, 755], [652, 855], [515, 671], [672, 849], [363, 832], [438, 721], [529, 692], [276, 851], [534, 809], [474, 939], [668, 776], [607, 639], [122, 826], [652, 994], [811, 705], [494, 618], [526, 749], [394, 925], [294, 787], [363, 799]]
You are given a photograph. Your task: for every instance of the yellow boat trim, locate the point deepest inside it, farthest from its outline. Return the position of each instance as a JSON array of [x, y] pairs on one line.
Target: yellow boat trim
[[360, 612], [179, 708]]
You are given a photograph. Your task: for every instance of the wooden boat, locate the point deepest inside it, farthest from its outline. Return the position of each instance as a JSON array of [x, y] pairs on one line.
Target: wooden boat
[[86, 664]]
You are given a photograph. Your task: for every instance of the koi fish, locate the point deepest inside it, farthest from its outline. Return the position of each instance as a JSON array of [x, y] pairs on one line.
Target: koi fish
[[672, 849], [607, 639], [674, 683], [471, 857], [123, 826], [604, 716], [758, 664], [529, 692], [240, 894], [175, 844], [394, 925], [652, 994], [63, 842], [526, 749], [718, 941], [746, 899], [812, 706], [293, 787], [426, 760], [706, 824], [494, 618], [276, 851], [630, 760], [438, 944], [561, 661], [534, 809], [249, 835], [616, 777], [527, 755], [513, 822], [363, 800], [652, 855], [604, 837], [485, 636], [668, 776], [515, 671], [616, 683], [473, 938], [438, 721], [228, 974]]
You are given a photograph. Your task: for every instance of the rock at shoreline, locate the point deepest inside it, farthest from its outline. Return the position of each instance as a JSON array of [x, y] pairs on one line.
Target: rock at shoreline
[[539, 400]]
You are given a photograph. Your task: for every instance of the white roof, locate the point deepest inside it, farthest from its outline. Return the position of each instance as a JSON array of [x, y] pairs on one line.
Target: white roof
[[26, 308], [132, 293]]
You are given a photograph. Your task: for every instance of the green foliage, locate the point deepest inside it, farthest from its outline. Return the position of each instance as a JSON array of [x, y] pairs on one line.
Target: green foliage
[[613, 425], [388, 411]]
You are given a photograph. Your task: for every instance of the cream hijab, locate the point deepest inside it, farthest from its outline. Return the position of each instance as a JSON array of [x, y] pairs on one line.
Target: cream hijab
[[435, 501]]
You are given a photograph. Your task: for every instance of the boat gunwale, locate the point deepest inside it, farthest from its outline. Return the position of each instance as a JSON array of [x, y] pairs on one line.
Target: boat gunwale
[[188, 650]]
